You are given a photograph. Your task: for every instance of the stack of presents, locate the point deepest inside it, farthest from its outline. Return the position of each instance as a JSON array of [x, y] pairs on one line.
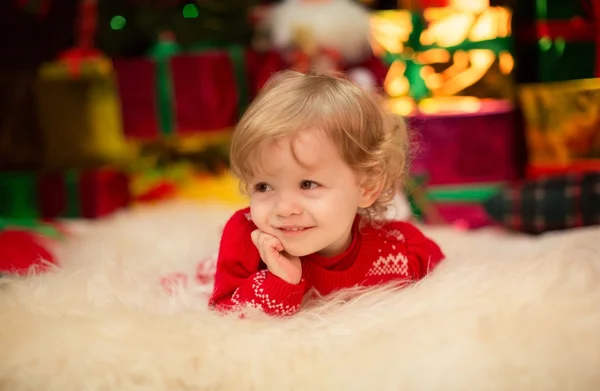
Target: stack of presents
[[503, 100]]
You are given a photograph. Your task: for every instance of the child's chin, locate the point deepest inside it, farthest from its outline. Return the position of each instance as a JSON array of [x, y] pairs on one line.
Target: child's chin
[[299, 252]]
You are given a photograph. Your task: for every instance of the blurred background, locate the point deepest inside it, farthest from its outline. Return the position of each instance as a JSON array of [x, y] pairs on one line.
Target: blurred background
[[111, 104]]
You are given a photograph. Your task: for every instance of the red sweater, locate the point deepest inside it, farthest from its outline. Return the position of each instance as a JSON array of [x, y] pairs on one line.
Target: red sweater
[[397, 251]]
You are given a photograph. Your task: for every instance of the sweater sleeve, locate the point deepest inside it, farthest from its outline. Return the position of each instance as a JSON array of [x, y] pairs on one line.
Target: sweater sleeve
[[423, 253], [241, 279]]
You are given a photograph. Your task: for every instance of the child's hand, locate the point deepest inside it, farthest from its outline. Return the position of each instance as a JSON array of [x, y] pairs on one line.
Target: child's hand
[[281, 264]]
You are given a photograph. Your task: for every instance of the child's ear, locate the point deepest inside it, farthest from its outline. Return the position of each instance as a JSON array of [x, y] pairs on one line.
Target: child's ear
[[370, 191]]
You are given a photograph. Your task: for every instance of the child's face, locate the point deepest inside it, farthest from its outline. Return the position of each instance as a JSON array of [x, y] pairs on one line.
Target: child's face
[[310, 207]]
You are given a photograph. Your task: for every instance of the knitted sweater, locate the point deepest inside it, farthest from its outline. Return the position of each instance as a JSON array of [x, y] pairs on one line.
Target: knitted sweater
[[397, 251]]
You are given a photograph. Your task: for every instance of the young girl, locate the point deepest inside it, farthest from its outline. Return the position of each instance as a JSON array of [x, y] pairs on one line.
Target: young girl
[[321, 161]]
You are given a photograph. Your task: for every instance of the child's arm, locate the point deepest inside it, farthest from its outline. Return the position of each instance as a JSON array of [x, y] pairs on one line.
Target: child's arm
[[241, 278], [423, 253]]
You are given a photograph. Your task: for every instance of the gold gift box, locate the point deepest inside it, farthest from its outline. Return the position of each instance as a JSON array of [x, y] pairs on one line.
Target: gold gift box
[[79, 114]]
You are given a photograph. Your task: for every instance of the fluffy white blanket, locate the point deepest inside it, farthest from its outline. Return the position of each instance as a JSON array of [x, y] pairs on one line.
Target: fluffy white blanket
[[504, 312]]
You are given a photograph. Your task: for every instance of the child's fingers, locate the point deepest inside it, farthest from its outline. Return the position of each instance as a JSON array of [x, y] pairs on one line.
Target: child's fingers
[[254, 236], [273, 242]]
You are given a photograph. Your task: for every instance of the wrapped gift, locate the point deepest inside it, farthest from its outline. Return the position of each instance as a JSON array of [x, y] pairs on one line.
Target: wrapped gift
[[554, 202], [563, 36], [562, 124], [464, 205], [526, 11], [79, 114], [78, 103], [72, 194], [447, 51], [175, 93], [473, 143]]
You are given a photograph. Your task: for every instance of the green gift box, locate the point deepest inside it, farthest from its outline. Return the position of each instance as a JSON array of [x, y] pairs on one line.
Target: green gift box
[[459, 204]]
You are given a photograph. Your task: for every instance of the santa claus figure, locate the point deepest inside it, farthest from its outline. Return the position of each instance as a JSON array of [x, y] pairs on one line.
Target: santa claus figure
[[324, 36]]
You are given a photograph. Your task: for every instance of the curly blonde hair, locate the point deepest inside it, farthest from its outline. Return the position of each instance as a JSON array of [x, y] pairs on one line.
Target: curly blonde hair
[[369, 138]]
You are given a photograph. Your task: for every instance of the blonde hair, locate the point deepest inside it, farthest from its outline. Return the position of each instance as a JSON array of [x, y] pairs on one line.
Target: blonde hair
[[369, 138]]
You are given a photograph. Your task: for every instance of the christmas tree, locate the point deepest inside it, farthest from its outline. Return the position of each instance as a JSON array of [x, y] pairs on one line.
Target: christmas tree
[[131, 27]]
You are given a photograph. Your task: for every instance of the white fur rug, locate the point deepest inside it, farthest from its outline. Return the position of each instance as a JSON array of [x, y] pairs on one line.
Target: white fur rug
[[504, 312]]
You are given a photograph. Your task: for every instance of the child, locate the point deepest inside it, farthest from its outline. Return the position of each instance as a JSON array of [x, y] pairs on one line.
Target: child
[[321, 160]]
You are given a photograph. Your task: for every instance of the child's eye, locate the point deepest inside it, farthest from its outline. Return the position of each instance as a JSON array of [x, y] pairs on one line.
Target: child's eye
[[262, 187], [308, 185]]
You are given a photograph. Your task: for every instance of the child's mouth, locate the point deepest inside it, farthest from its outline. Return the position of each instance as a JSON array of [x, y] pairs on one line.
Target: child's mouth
[[293, 230]]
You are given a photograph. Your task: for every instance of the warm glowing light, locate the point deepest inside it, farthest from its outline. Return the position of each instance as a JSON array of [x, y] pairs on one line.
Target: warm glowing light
[[506, 63], [484, 28], [449, 31], [470, 5], [402, 106], [426, 71], [445, 72], [434, 81], [454, 104], [503, 21], [390, 29], [395, 84], [480, 62], [434, 56]]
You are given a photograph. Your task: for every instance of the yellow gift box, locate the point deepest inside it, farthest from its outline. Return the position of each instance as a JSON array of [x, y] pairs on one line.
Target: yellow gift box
[[80, 115], [561, 120]]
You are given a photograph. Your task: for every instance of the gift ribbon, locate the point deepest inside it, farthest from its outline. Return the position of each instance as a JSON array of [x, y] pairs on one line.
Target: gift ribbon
[[463, 194], [73, 199], [84, 50], [237, 54], [17, 195], [162, 53]]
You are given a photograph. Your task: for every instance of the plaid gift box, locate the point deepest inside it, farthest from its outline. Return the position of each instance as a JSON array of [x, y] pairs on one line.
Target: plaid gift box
[[556, 40], [549, 203]]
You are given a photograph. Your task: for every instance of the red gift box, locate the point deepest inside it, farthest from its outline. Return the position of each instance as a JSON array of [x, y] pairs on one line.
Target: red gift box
[[189, 93], [457, 148], [96, 193], [72, 194]]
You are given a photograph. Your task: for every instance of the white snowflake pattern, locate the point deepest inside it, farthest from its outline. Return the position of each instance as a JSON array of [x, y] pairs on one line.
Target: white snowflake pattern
[[396, 234], [262, 300], [396, 264]]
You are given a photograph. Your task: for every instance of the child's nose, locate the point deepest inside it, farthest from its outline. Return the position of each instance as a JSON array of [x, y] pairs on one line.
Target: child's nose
[[287, 206]]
